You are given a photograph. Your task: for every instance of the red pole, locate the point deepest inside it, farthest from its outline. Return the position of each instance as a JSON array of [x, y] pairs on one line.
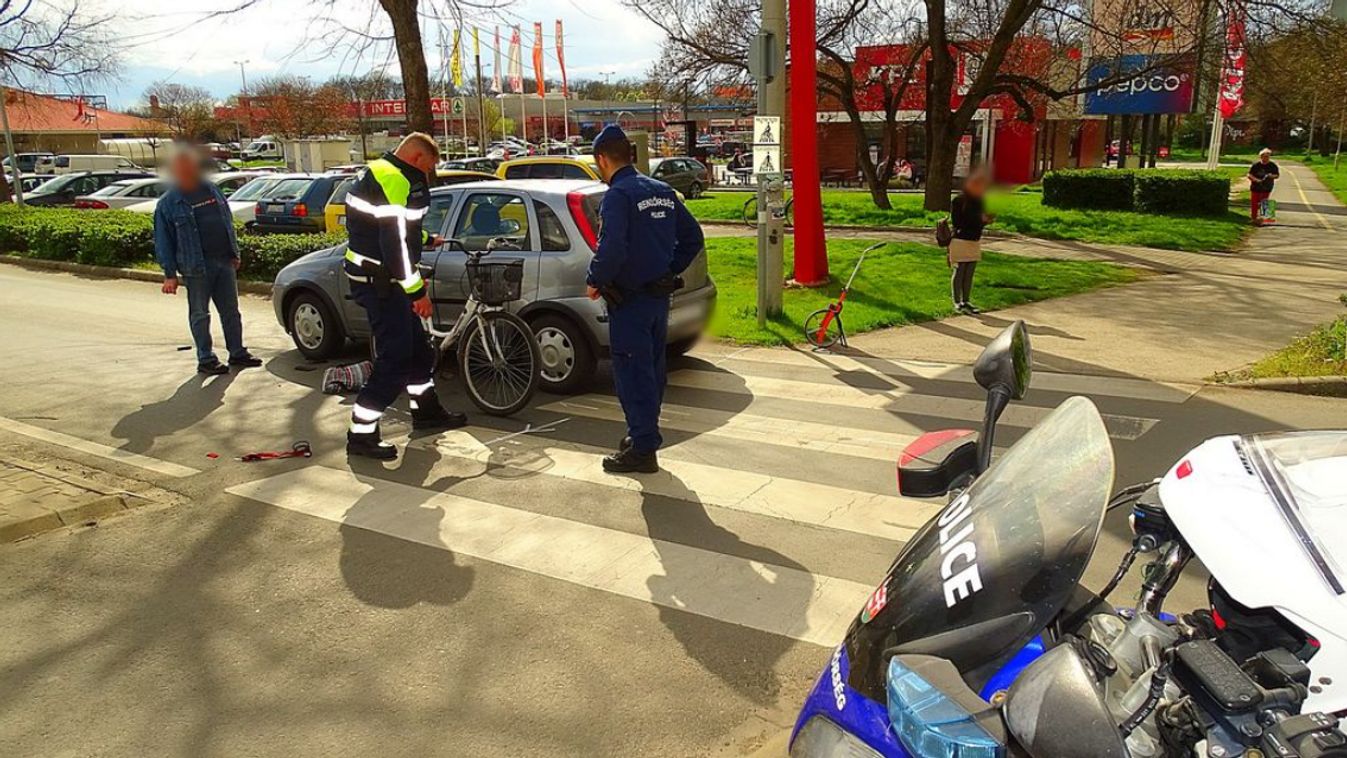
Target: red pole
[[811, 253]]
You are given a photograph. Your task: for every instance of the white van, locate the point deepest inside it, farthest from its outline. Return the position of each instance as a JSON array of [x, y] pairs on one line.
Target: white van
[[65, 164], [264, 149]]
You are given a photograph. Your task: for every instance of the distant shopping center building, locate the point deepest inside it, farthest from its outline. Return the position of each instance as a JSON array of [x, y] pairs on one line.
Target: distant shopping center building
[[70, 124]]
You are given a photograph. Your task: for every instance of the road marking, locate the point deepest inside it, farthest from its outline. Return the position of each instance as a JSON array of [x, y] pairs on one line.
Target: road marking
[[776, 599], [748, 427], [897, 371], [93, 448], [1300, 189], [823, 505], [898, 401]]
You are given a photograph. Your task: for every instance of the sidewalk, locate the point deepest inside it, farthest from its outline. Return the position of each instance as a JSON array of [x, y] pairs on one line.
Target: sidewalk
[[1201, 314]]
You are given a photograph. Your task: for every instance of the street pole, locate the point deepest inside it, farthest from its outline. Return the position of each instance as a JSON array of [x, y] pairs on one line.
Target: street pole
[[546, 135], [15, 185], [767, 61], [1337, 154], [523, 130], [481, 100], [1314, 108], [243, 76], [1217, 132]]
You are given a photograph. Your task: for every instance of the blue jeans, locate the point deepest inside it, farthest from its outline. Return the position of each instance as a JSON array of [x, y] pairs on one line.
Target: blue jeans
[[215, 283]]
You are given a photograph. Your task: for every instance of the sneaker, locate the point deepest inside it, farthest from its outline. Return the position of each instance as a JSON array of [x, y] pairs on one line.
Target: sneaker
[[961, 307], [214, 368], [370, 445], [247, 360], [430, 415], [631, 461], [971, 309]]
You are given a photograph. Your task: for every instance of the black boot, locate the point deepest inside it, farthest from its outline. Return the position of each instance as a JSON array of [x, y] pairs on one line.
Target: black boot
[[369, 445], [624, 445], [631, 461], [429, 415]]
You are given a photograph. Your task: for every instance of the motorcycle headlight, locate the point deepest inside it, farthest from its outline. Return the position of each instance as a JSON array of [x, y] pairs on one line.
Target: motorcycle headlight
[[931, 724], [821, 738]]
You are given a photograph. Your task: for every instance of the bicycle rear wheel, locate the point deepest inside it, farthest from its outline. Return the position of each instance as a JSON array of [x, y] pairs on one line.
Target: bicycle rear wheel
[[499, 361], [751, 210]]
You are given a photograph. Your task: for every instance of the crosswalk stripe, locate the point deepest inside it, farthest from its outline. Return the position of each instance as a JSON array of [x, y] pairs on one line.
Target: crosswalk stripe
[[748, 427], [897, 400], [93, 448], [823, 505], [897, 371], [775, 599]]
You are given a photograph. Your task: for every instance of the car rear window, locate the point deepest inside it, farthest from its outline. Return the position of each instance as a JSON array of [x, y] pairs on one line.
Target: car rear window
[[519, 172], [339, 194], [574, 172], [116, 188], [254, 189], [550, 229], [288, 189]]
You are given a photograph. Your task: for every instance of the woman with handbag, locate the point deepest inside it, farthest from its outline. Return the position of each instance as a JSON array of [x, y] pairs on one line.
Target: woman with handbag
[[968, 216]]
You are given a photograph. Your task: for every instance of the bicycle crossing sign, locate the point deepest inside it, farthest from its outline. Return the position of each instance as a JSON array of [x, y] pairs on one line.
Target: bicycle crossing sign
[[766, 130], [457, 106]]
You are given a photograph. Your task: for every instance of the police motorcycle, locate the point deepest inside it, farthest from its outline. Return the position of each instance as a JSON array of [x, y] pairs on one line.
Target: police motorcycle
[[981, 642]]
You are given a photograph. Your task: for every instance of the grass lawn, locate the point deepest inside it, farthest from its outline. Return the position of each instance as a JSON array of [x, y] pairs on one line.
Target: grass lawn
[[1319, 353], [1019, 212], [1334, 179], [901, 283]]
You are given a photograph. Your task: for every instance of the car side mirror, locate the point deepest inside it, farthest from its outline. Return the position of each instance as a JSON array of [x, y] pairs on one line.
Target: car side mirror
[[509, 226], [1003, 369], [453, 243]]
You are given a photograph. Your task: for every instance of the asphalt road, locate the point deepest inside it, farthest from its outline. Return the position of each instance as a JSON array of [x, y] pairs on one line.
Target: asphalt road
[[485, 595]]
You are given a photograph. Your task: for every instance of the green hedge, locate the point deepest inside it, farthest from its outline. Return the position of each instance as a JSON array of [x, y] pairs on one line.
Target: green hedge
[[1205, 193], [122, 238], [1099, 188]]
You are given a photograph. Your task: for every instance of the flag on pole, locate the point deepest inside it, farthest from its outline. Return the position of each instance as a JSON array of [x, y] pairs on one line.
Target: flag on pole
[[538, 58], [1232, 71], [476, 43], [516, 63], [495, 70], [456, 61], [561, 61]]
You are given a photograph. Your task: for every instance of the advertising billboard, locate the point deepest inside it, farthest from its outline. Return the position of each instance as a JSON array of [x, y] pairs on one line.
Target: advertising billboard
[[1152, 87], [1144, 27]]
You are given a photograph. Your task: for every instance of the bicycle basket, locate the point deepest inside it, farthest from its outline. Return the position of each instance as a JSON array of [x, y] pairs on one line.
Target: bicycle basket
[[496, 282]]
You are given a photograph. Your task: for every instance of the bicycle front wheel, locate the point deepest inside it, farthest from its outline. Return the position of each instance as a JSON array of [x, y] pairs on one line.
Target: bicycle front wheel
[[823, 328], [751, 210], [499, 361]]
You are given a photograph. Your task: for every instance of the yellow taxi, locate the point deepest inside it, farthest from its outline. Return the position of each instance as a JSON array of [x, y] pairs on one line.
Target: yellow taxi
[[549, 167], [334, 213]]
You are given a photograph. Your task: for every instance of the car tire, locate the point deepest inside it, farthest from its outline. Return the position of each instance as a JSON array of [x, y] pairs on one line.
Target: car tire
[[313, 327], [681, 347], [567, 360], [694, 190]]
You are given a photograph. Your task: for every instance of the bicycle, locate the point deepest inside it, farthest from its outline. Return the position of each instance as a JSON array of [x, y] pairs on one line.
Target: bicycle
[[497, 353], [751, 211], [823, 328]]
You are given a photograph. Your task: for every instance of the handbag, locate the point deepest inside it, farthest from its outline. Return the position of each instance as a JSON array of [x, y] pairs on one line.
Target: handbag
[[944, 233]]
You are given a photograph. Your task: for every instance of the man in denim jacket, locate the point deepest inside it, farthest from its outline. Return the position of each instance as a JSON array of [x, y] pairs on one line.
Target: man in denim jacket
[[195, 244]]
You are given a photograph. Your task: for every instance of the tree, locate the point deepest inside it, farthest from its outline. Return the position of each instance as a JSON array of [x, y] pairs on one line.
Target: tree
[[188, 111], [293, 106]]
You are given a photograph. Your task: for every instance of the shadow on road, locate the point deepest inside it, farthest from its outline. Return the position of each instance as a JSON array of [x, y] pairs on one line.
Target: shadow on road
[[193, 401]]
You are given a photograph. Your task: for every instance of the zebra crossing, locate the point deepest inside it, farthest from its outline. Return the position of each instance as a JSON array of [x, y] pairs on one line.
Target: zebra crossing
[[783, 441]]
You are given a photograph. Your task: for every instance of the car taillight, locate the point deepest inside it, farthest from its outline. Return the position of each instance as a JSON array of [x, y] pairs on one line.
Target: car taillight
[[91, 204], [300, 210], [257, 209], [575, 201]]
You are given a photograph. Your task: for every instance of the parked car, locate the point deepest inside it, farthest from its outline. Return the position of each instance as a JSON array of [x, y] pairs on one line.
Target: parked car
[[229, 182], [294, 205], [687, 175], [549, 167], [30, 182], [263, 149], [123, 194], [484, 165], [551, 224], [334, 214], [67, 164], [26, 163], [63, 189]]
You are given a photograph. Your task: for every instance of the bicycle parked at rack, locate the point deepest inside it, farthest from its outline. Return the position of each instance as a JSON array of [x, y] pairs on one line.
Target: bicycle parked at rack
[[495, 351], [751, 211]]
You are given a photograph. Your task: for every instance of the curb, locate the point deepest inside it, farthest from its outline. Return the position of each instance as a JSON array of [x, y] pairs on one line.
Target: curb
[[1291, 383], [85, 512], [112, 272], [930, 230]]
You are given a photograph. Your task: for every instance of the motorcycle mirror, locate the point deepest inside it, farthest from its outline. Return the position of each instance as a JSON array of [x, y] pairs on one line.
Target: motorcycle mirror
[[1006, 362]]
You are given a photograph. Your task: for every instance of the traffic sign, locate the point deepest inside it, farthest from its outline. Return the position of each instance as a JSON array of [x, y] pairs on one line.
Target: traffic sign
[[767, 130], [766, 159]]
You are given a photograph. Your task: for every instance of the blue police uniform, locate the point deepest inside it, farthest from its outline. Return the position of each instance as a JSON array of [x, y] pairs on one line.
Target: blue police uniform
[[646, 233]]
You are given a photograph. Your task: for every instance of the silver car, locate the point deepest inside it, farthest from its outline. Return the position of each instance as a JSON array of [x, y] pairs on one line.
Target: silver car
[[551, 224]]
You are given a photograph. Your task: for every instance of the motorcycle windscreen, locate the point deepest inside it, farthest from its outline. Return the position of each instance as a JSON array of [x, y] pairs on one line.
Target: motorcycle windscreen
[[987, 574]]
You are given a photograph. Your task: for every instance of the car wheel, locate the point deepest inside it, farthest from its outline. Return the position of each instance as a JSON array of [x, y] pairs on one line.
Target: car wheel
[[314, 327], [567, 360], [694, 190], [679, 348]]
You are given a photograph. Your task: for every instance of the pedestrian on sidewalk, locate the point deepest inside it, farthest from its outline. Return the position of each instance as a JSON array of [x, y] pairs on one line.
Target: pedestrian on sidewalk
[[1263, 174], [195, 244], [384, 211], [968, 216]]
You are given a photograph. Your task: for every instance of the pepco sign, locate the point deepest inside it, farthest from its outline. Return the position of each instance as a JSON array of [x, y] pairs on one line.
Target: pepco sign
[[1151, 89]]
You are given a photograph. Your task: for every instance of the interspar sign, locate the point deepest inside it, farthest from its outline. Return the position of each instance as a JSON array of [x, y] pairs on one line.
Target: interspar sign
[[398, 108], [1146, 86]]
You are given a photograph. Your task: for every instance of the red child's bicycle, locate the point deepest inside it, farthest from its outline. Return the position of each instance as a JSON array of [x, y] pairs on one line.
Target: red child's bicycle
[[823, 328]]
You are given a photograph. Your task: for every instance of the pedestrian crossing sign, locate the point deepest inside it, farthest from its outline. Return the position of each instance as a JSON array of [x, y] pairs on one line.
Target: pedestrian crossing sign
[[766, 160], [766, 130]]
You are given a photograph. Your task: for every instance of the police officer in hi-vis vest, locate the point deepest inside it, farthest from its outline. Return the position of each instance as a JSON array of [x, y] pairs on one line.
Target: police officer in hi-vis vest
[[647, 237], [383, 218]]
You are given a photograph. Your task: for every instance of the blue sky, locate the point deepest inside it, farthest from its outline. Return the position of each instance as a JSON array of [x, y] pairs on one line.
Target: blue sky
[[278, 37]]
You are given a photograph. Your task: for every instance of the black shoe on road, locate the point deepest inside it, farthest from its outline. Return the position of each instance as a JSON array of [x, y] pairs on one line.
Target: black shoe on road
[[429, 415], [215, 368], [370, 445], [624, 445], [247, 360], [631, 461], [971, 309]]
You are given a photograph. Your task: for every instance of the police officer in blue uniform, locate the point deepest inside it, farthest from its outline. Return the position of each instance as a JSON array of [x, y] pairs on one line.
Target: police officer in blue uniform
[[646, 239]]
